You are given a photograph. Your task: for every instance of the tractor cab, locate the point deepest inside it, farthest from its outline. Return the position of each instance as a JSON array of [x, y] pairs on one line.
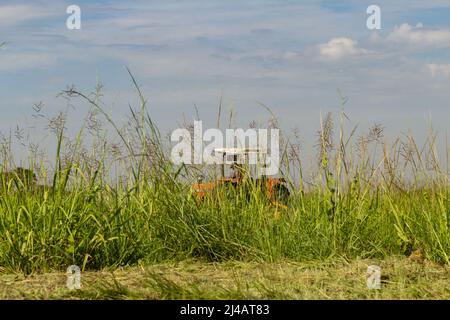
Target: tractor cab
[[238, 163], [243, 164]]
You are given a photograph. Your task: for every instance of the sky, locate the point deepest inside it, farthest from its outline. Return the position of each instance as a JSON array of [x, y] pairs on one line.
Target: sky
[[290, 55]]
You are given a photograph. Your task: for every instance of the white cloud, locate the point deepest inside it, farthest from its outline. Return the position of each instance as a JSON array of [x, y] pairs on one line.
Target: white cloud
[[338, 48], [438, 70], [418, 36]]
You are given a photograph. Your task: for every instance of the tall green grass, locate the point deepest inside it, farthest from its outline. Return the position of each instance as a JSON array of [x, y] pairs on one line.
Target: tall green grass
[[366, 199]]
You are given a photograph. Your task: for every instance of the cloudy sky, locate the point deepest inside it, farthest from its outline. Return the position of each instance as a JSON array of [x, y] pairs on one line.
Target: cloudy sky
[[291, 55]]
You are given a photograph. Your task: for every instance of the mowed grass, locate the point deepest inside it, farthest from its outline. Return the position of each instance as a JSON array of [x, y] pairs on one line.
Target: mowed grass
[[122, 203], [402, 278]]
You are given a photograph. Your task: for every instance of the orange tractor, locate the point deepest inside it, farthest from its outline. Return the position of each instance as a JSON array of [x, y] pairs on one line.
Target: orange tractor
[[234, 160]]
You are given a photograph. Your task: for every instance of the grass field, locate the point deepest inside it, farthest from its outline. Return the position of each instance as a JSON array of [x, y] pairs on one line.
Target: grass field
[[367, 201], [401, 279]]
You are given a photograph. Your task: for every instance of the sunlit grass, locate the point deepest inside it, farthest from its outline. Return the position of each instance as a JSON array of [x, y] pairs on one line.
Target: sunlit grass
[[367, 199]]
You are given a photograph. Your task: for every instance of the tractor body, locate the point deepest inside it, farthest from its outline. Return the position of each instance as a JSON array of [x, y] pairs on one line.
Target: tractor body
[[275, 189]]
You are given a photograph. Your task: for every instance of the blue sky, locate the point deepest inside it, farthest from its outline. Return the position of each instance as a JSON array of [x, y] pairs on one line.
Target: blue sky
[[290, 55]]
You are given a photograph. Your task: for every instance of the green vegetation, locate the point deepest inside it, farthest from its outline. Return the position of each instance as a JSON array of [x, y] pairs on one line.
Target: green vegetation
[[107, 205]]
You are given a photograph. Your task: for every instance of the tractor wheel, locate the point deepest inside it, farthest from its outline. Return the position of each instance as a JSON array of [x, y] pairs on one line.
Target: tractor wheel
[[280, 193]]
